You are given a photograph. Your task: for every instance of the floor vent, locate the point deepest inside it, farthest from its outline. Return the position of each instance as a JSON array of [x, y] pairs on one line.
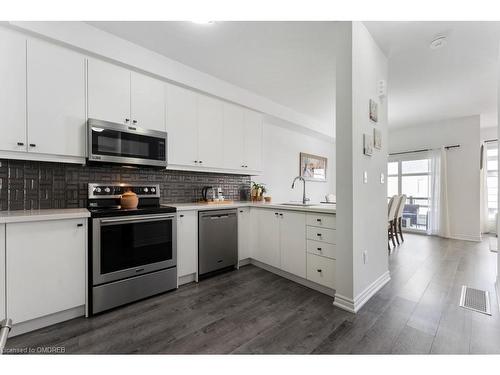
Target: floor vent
[[475, 299]]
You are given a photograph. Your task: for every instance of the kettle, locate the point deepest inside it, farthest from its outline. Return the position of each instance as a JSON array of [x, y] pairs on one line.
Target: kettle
[[204, 192]]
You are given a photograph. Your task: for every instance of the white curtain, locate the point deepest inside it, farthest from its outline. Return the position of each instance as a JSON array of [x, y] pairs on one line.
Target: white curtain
[[439, 223], [485, 227]]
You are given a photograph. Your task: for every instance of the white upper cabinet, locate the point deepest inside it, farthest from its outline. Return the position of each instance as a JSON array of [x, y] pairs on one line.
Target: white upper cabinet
[[108, 92], [253, 140], [56, 100], [147, 102], [13, 91], [182, 126], [210, 132], [234, 136]]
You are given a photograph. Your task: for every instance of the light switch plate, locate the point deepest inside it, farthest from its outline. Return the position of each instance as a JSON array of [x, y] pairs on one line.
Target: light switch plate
[[382, 178], [365, 177]]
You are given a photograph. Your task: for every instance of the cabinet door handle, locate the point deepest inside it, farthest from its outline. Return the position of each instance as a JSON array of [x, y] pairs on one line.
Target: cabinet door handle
[[241, 211], [276, 213], [318, 234], [32, 145], [79, 225], [281, 215], [181, 215], [20, 143], [319, 271], [201, 161], [320, 249], [127, 120], [318, 220], [196, 161], [134, 121]]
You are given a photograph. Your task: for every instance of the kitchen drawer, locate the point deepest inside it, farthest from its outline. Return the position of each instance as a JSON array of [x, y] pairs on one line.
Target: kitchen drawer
[[319, 220], [321, 248], [321, 234], [321, 270]]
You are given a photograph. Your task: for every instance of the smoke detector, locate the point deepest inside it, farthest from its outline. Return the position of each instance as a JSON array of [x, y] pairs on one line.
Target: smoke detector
[[438, 42]]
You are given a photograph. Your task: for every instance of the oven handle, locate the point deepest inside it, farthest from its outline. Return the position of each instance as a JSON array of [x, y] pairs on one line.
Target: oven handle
[[141, 219]]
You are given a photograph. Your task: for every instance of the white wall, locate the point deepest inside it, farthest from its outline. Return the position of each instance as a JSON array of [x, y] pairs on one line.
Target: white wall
[[463, 167], [361, 208], [488, 133], [281, 150]]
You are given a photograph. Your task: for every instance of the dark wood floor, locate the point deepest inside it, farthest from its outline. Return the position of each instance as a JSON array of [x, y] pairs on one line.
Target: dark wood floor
[[254, 311]]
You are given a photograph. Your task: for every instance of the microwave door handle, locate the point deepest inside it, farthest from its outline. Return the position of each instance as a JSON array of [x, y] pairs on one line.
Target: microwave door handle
[[143, 219]]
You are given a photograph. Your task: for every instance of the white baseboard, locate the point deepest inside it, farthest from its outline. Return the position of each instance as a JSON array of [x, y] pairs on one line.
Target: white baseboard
[[355, 305], [48, 320], [244, 262], [465, 237], [297, 279], [186, 279]]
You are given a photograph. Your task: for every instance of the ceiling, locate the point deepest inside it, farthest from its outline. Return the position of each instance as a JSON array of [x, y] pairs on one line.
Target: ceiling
[[291, 63], [426, 85]]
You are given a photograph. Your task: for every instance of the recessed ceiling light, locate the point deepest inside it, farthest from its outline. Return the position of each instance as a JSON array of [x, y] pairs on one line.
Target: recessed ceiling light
[[438, 42]]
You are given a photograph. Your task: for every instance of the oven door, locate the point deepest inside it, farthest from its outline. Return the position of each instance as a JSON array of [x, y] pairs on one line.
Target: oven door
[[130, 246], [117, 143]]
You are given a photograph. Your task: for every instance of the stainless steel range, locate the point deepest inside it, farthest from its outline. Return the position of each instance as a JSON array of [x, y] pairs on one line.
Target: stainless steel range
[[132, 252]]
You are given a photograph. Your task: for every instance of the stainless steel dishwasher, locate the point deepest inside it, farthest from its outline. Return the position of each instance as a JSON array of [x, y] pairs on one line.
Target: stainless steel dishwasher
[[217, 240]]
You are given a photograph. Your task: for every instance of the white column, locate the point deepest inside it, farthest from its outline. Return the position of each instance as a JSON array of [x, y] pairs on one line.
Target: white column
[[361, 207]]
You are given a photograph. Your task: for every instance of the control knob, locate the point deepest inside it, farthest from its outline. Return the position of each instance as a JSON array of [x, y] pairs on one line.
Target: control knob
[[107, 190]]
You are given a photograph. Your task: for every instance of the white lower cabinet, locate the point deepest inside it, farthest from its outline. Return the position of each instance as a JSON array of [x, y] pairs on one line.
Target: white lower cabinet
[[187, 242], [321, 270], [244, 233], [267, 244], [45, 267], [293, 242], [283, 239], [2, 272]]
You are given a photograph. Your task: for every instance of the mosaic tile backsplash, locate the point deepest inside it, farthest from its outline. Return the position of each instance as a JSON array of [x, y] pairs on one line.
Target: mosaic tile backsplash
[[27, 185]]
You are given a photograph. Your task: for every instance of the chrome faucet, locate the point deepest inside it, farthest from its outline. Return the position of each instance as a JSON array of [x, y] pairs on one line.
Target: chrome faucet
[[304, 199]]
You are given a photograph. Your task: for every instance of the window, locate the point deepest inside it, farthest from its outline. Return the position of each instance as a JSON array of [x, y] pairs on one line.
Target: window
[[492, 183], [411, 177]]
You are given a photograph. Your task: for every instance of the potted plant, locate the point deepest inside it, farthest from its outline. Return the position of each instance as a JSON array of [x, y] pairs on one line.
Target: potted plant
[[258, 191]]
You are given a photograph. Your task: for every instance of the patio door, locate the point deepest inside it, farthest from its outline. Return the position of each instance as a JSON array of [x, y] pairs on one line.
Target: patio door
[[411, 175]]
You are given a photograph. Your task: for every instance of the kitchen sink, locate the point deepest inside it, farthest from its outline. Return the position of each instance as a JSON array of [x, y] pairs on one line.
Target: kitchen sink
[[298, 204]]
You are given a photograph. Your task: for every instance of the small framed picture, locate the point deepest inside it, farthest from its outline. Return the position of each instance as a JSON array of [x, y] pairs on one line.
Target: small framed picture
[[377, 139], [367, 144], [373, 110], [313, 167]]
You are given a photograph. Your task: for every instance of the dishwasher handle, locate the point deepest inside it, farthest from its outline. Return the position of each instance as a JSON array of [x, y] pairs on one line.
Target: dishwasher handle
[[217, 215]]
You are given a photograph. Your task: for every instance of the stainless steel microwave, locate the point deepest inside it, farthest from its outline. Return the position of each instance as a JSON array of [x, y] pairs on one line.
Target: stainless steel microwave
[[110, 142]]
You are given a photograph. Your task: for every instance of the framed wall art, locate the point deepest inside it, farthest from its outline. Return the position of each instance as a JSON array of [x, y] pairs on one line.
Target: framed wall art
[[313, 167], [373, 110]]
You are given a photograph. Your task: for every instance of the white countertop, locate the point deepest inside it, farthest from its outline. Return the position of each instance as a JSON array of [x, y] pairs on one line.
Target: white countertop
[[19, 216], [322, 208]]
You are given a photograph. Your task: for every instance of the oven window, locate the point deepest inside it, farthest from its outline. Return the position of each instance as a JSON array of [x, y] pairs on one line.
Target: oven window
[[121, 144], [129, 245]]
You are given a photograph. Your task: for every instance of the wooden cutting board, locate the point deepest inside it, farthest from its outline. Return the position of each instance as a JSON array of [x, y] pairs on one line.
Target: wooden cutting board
[[215, 202]]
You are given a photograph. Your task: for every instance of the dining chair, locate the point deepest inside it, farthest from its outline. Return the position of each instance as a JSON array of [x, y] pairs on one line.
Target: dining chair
[[399, 217], [391, 215]]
